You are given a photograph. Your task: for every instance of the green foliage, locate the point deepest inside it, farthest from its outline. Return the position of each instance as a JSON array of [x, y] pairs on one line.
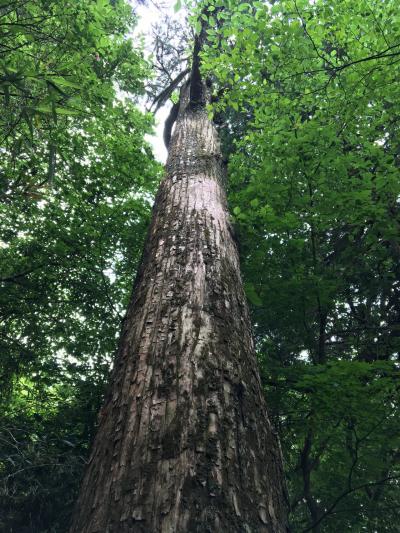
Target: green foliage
[[56, 57], [309, 95], [44, 443], [340, 429], [77, 179], [306, 95]]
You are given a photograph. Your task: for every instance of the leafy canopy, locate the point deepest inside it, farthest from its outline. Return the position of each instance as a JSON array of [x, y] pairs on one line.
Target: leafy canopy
[[308, 97], [76, 183]]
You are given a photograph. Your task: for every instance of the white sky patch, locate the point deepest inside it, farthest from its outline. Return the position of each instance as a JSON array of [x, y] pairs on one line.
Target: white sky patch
[[156, 141], [304, 355]]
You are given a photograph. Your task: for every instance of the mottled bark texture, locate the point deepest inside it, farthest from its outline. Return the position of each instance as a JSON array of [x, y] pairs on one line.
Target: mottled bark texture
[[184, 443]]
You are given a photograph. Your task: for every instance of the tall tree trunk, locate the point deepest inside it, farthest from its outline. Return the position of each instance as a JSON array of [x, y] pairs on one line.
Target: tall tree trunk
[[184, 443]]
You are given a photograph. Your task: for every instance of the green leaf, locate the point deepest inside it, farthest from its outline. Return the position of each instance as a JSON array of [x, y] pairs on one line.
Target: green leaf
[[252, 294], [58, 80]]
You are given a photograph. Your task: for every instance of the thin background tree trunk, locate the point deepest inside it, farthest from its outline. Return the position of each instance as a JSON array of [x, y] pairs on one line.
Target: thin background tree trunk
[[184, 443]]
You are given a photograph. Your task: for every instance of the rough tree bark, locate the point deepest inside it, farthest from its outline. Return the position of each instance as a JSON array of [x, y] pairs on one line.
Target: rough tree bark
[[184, 443]]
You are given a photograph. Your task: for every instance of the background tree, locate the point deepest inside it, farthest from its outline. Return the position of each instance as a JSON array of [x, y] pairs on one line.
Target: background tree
[[314, 185], [76, 185]]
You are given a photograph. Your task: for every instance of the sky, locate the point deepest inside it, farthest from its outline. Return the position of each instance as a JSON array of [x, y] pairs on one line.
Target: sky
[[150, 14]]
